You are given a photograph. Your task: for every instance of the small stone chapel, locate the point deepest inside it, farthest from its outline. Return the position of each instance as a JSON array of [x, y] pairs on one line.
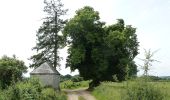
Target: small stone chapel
[[47, 75]]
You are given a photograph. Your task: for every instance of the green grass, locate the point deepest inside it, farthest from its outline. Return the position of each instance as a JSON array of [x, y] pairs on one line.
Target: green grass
[[73, 85], [109, 91], [118, 91]]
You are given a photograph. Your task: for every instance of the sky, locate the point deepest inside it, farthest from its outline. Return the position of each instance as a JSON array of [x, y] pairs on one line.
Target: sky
[[20, 19]]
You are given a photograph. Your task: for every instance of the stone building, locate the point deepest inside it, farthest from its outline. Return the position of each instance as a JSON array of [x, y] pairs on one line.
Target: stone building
[[47, 75]]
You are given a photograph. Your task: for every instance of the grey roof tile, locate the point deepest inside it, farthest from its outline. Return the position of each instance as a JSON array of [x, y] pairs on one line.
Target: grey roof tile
[[44, 68]]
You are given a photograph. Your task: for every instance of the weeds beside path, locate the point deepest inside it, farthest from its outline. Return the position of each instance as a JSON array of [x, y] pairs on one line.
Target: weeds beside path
[[74, 94]]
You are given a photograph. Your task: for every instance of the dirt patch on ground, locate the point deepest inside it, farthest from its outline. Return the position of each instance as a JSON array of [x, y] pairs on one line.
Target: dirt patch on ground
[[74, 94]]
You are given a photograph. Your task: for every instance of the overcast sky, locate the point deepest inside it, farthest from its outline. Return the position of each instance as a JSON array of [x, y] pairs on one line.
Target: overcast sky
[[20, 19]]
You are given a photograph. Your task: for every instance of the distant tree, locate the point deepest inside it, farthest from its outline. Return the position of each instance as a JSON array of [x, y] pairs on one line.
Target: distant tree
[[48, 38], [11, 70], [65, 77], [76, 78], [148, 60], [97, 51]]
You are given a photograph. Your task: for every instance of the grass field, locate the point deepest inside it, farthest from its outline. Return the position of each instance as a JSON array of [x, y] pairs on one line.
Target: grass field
[[117, 91]]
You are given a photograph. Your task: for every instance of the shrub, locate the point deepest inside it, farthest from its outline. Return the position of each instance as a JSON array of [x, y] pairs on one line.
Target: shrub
[[11, 70], [27, 90]]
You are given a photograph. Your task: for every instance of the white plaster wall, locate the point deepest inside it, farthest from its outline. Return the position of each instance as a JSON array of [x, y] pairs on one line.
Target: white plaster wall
[[49, 80]]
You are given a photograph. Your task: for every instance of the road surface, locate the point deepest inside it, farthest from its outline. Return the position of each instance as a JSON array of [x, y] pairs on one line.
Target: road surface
[[74, 94]]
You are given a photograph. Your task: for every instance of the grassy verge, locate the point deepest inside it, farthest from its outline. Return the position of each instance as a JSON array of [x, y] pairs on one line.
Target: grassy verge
[[132, 91], [109, 91]]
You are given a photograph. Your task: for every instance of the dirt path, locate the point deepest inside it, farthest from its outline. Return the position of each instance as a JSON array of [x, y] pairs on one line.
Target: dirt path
[[74, 94]]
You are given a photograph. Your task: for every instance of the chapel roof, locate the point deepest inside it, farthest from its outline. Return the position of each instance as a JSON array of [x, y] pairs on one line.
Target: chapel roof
[[44, 68]]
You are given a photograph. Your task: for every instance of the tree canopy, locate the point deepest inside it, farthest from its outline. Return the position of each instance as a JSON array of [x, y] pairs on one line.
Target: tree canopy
[[98, 51], [11, 70], [48, 38]]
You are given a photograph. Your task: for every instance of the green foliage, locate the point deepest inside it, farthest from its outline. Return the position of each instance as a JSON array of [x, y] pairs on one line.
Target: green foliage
[[77, 78], [11, 70], [50, 94], [73, 85], [109, 91], [65, 77], [30, 89], [48, 38], [143, 91], [99, 51], [27, 90]]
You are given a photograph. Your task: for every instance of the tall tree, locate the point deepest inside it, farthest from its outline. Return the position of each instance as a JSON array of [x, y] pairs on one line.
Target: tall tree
[[97, 51], [48, 38], [86, 32]]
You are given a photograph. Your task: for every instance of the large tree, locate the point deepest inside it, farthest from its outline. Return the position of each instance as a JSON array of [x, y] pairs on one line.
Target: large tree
[[11, 70], [122, 47], [48, 38], [100, 52]]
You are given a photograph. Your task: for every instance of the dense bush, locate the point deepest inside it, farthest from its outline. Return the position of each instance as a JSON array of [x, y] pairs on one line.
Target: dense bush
[[11, 70], [30, 89]]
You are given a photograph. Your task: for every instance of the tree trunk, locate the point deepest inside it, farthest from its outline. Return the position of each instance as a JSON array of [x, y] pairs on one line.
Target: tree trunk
[[94, 83], [56, 41]]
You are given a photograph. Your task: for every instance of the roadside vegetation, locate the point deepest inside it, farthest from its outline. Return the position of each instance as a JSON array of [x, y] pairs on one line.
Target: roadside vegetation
[[137, 89], [74, 85], [73, 82], [30, 89], [13, 86]]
